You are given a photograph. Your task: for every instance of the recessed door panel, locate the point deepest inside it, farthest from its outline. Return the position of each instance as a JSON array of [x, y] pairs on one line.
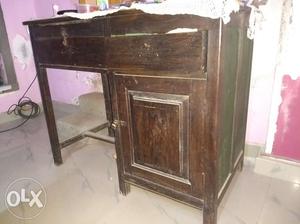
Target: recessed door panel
[[158, 125]]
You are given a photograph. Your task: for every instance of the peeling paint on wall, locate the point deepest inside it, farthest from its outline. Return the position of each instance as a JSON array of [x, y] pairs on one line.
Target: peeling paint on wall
[[66, 86], [94, 81], [75, 100], [22, 50]]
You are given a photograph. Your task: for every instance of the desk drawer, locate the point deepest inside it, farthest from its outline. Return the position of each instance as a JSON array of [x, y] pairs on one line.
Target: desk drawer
[[178, 55], [75, 28], [74, 51]]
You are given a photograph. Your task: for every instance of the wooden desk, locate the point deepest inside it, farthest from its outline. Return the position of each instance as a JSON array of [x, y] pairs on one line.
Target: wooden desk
[[177, 101]]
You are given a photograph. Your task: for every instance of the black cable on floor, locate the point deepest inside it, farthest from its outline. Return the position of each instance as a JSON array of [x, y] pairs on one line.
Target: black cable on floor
[[25, 108]]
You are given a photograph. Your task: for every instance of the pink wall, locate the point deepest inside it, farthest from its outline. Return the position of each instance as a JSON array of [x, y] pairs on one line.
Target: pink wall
[[258, 113], [15, 12], [44, 7], [287, 139]]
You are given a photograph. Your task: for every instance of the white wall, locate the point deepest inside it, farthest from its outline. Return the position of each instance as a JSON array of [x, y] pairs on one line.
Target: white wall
[[266, 47]]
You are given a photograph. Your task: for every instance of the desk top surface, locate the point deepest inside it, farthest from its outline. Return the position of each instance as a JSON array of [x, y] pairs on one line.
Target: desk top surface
[[122, 13]]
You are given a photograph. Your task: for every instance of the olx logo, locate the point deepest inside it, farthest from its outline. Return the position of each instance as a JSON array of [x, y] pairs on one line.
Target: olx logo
[[18, 198], [25, 198]]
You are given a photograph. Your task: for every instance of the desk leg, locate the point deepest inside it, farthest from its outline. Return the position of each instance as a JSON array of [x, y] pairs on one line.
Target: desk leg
[[49, 115], [210, 212], [108, 104], [210, 207]]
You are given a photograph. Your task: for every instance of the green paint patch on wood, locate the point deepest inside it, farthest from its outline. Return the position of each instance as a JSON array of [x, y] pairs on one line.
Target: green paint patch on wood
[[230, 55]]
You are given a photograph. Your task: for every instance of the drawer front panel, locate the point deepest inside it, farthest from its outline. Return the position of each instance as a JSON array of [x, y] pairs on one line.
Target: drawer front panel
[[157, 141], [75, 28], [75, 51], [178, 55]]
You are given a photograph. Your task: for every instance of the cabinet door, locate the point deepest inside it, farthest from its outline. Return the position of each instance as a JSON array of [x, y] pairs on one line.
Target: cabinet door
[[160, 132]]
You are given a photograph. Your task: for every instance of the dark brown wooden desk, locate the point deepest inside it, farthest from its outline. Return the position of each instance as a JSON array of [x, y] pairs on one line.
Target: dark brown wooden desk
[[177, 101]]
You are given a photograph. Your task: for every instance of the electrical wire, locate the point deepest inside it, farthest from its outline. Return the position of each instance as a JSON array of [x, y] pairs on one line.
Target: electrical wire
[[24, 105]]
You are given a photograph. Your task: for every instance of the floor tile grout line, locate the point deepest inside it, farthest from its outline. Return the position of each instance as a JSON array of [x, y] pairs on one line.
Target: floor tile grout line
[[265, 200]]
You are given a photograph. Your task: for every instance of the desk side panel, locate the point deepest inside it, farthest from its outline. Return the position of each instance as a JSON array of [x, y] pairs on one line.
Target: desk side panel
[[235, 81]]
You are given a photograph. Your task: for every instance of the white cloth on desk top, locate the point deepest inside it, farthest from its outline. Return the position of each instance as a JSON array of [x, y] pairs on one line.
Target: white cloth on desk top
[[205, 8]]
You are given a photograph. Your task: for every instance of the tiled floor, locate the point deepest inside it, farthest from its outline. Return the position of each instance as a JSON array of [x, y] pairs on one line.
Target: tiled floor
[[84, 189]]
